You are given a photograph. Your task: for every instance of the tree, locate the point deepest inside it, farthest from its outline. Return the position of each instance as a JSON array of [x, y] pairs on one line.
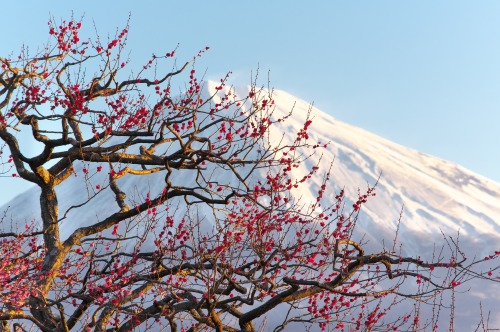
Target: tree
[[219, 246]]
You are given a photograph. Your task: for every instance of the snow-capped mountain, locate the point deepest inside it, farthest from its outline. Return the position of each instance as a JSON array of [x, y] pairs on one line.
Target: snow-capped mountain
[[432, 196]]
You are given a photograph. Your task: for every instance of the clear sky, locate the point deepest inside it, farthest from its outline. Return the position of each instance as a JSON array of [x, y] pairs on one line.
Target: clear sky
[[425, 74]]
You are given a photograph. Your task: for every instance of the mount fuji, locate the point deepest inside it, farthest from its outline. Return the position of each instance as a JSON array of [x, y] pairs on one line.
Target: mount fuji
[[423, 199]]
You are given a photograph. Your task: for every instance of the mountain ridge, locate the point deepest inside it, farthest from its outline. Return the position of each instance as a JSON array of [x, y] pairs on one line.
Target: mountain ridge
[[427, 186]]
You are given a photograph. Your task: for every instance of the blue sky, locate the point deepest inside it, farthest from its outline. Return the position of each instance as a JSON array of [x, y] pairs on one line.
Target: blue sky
[[425, 74]]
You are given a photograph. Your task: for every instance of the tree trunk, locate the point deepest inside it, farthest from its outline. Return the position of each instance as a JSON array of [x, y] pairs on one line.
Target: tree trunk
[[49, 214], [52, 261]]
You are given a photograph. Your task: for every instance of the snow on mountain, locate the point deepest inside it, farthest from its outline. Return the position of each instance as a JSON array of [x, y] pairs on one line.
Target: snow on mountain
[[437, 197], [436, 194]]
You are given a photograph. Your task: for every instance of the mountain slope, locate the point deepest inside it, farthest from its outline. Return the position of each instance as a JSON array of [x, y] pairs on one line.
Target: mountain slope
[[437, 194]]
